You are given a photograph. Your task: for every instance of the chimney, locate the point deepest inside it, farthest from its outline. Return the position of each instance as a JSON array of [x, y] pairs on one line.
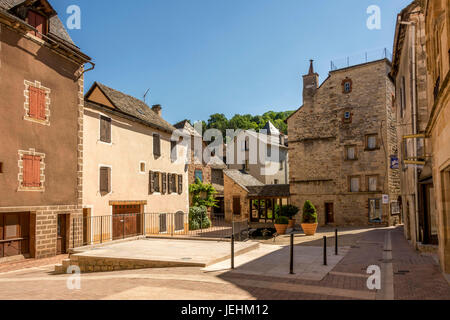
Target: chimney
[[157, 109], [310, 84]]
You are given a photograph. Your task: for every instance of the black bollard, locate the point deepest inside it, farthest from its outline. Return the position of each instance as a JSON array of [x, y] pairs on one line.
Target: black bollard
[[292, 255], [336, 242], [232, 251], [324, 250]]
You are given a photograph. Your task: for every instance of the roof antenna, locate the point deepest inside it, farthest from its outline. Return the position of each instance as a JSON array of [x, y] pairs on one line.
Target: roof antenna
[[145, 94]]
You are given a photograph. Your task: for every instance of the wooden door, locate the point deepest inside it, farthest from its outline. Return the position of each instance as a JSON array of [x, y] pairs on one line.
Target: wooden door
[[329, 213], [237, 206], [61, 234], [14, 234], [126, 221]]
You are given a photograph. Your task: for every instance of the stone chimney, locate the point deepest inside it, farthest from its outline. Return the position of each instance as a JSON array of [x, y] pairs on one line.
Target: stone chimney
[[310, 84], [157, 108]]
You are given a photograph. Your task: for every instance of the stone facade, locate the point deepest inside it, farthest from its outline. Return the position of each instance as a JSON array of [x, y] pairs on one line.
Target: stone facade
[[336, 117], [437, 34], [233, 190], [417, 189]]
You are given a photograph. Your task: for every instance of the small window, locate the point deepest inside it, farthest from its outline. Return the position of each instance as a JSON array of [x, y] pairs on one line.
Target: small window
[[105, 180], [354, 184], [198, 175], [347, 85], [275, 181], [281, 165], [372, 183], [246, 144], [105, 129], [269, 151], [1, 167], [350, 153], [142, 167], [156, 145], [37, 21], [371, 142], [31, 171], [173, 151]]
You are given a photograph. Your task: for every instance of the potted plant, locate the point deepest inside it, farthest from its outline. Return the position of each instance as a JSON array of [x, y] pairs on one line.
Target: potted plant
[[281, 224], [290, 212], [310, 222]]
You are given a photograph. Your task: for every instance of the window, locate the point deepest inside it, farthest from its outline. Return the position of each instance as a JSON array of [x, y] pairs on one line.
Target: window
[[275, 181], [1, 167], [156, 145], [246, 144], [37, 21], [269, 151], [395, 208], [179, 221], [372, 183], [371, 142], [164, 183], [37, 103], [31, 171], [350, 153], [354, 184], [105, 180], [142, 167], [375, 210], [347, 117], [180, 184], [173, 182], [281, 165], [105, 129], [156, 184], [347, 85], [198, 174]]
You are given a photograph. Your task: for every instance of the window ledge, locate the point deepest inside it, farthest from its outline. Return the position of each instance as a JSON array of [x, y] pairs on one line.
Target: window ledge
[[105, 143], [374, 149], [31, 189], [45, 122]]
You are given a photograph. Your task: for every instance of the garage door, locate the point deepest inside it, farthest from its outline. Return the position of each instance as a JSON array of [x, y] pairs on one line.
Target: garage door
[[14, 234], [126, 221]]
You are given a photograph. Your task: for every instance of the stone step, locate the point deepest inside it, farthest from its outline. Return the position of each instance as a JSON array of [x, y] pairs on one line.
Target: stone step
[[66, 263], [59, 268]]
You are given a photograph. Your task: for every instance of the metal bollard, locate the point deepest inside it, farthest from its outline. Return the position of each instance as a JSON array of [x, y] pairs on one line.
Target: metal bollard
[[232, 251], [336, 242], [324, 250], [292, 255]]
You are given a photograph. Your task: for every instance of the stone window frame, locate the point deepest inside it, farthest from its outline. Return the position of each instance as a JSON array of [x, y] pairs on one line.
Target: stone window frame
[[346, 147], [350, 183], [344, 82], [366, 143], [349, 119], [377, 176], [31, 152], [36, 84]]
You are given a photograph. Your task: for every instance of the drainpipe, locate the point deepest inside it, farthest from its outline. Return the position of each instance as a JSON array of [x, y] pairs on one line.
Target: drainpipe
[[412, 24]]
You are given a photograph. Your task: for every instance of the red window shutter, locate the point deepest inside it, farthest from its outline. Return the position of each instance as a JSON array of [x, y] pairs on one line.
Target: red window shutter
[[39, 22], [40, 25], [33, 102], [27, 171], [36, 171], [41, 105]]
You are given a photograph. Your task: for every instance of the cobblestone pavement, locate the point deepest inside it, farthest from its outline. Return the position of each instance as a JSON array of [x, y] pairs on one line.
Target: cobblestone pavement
[[415, 276]]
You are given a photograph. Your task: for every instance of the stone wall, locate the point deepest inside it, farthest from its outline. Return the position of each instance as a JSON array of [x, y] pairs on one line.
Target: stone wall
[[231, 190], [319, 134]]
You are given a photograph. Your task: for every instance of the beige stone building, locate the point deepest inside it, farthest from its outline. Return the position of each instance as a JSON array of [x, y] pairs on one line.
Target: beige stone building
[[341, 142], [262, 155], [437, 35], [409, 71], [134, 173]]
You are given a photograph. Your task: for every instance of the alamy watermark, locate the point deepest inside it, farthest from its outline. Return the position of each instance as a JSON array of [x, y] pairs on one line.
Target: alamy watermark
[[74, 19], [74, 280], [374, 281], [374, 20]]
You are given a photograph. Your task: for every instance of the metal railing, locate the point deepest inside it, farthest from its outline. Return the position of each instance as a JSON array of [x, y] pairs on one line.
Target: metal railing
[[361, 58], [102, 229]]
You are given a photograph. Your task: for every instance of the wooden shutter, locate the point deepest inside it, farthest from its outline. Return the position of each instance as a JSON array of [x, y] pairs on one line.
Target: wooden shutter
[[169, 183], [174, 183], [156, 145], [104, 179], [156, 183], [33, 102], [164, 183], [40, 25], [105, 129], [36, 172], [41, 105], [27, 171], [151, 188], [180, 184]]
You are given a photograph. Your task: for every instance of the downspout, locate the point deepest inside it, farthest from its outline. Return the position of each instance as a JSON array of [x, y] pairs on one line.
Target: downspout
[[414, 123]]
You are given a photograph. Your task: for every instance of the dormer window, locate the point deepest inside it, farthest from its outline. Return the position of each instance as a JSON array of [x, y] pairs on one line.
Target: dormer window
[[347, 85], [37, 21]]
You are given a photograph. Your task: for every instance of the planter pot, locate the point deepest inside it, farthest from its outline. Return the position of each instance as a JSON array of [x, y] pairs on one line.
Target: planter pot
[[309, 228], [281, 228], [291, 223]]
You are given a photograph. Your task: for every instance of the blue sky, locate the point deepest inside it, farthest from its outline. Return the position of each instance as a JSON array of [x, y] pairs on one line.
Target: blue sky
[[200, 57]]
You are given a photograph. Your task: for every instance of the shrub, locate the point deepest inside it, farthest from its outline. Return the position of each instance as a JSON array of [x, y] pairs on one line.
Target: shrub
[[282, 220], [198, 218], [289, 211], [309, 213]]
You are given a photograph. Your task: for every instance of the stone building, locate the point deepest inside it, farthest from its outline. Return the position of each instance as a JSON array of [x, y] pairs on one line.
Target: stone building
[[409, 71], [41, 149], [437, 37], [263, 155], [341, 142]]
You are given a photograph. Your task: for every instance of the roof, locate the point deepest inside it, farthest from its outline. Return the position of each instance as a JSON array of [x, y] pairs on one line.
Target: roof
[[188, 127], [131, 106], [56, 27], [271, 129], [270, 190], [243, 179]]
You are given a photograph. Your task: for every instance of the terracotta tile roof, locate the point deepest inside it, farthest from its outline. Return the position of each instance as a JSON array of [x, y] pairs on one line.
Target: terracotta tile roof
[[133, 107]]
